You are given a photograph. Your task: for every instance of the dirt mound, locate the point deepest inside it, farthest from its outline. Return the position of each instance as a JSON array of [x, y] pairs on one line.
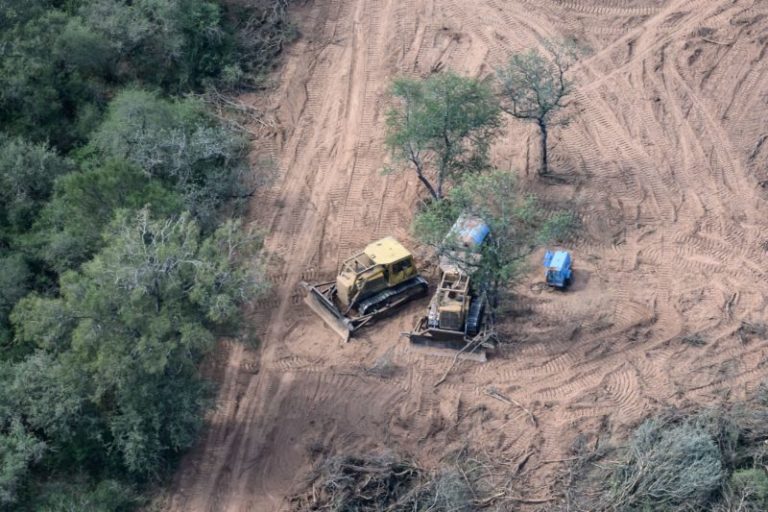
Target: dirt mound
[[666, 163]]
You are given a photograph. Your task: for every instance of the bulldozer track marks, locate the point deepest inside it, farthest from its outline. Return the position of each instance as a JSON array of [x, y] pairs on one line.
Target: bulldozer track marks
[[663, 162]]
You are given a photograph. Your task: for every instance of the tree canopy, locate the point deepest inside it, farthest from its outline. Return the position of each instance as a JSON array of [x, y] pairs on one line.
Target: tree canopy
[[442, 126], [112, 379], [534, 87], [517, 225], [106, 309]]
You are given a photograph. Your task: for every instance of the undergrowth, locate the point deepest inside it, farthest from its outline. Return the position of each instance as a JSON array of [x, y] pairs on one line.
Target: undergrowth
[[679, 461]]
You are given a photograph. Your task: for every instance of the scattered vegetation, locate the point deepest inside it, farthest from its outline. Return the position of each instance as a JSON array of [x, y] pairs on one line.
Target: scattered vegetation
[[710, 460], [695, 339], [383, 482], [384, 367], [668, 466], [749, 330], [443, 126]]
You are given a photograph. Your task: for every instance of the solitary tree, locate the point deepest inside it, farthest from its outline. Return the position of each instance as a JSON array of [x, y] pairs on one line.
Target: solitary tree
[[442, 126], [517, 225], [534, 88]]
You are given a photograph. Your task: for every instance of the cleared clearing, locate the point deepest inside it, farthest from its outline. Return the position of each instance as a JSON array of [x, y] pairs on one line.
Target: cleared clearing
[[666, 165]]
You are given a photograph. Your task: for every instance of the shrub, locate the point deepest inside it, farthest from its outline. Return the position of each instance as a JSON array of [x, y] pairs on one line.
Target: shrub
[[751, 487], [668, 466], [78, 494]]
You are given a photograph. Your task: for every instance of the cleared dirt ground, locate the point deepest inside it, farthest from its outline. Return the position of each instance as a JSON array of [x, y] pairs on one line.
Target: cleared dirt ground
[[666, 165]]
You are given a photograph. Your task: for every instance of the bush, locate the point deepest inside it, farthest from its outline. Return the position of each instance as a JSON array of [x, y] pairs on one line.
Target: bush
[[750, 486], [447, 491], [78, 494], [667, 466], [182, 147], [27, 174]]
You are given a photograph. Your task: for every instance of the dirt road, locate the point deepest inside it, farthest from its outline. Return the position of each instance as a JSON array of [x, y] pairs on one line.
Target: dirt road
[[666, 164]]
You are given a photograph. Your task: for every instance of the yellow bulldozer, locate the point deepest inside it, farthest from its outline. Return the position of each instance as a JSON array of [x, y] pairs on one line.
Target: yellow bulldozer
[[369, 285], [456, 317]]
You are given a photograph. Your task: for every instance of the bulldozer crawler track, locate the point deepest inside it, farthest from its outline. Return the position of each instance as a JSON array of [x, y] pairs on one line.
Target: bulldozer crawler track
[[393, 297]]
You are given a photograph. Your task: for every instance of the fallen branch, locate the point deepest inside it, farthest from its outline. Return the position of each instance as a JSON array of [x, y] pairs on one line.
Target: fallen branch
[[493, 393], [552, 461], [523, 461], [472, 344], [532, 500], [487, 501], [721, 43], [252, 113]]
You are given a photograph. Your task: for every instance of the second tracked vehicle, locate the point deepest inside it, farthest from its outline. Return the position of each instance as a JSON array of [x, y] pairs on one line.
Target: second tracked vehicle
[[456, 317], [370, 284]]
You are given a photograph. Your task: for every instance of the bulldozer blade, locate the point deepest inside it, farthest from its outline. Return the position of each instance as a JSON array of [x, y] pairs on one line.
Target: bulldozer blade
[[325, 309]]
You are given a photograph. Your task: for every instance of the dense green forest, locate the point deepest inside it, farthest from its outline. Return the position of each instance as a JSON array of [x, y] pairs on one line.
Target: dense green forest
[[121, 254]]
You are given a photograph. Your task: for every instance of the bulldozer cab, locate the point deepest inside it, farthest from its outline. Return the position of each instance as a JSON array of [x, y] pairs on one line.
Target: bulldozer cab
[[452, 301], [393, 258], [382, 264], [358, 267], [400, 271]]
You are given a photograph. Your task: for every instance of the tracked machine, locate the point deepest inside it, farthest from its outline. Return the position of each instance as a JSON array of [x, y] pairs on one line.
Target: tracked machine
[[456, 319], [370, 284]]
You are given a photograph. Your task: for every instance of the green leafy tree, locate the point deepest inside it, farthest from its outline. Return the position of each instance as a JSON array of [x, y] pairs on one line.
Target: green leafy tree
[[19, 450], [185, 149], [534, 88], [442, 127], [105, 313], [175, 44], [15, 277], [15, 12], [50, 398], [79, 494], [133, 324], [517, 225], [54, 76], [83, 204], [27, 174]]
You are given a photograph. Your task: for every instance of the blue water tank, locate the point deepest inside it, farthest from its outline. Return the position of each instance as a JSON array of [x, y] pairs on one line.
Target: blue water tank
[[470, 231]]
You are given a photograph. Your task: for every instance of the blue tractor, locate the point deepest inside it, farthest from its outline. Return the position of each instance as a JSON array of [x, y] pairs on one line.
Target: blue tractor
[[558, 265]]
